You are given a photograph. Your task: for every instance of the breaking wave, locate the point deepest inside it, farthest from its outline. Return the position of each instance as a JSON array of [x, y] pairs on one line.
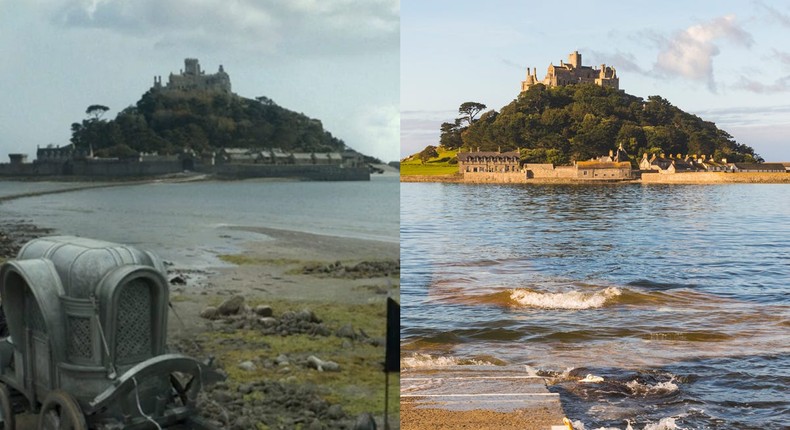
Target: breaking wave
[[663, 424], [660, 388], [567, 300], [419, 361]]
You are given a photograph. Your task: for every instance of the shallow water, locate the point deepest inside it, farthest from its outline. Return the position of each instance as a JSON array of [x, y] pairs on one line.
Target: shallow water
[[190, 223], [677, 296]]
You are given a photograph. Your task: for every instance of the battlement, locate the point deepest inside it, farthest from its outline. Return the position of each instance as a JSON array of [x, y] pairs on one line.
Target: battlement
[[573, 72], [191, 78]]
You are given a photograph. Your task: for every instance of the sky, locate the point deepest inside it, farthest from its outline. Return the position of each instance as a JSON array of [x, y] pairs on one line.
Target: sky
[[337, 61], [725, 61]]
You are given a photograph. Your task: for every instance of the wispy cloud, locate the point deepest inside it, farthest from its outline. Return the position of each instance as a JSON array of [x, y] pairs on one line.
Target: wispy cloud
[[419, 129], [689, 53], [781, 85], [774, 14], [747, 115], [784, 57], [623, 61], [265, 26]]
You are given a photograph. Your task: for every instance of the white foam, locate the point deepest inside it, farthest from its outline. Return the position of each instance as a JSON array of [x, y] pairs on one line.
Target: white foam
[[567, 300], [663, 424], [590, 378], [418, 361], [661, 388]]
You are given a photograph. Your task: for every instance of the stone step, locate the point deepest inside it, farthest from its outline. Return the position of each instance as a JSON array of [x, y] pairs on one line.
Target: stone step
[[478, 397]]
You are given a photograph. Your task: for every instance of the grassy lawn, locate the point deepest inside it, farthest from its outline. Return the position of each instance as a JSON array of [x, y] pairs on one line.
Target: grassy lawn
[[435, 166]]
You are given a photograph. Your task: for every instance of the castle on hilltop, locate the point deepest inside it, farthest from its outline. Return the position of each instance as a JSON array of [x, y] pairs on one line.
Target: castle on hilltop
[[192, 78], [573, 72]]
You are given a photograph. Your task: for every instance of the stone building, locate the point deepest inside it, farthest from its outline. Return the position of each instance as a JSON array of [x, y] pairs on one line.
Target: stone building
[[573, 72], [603, 170], [758, 167], [679, 163], [192, 78], [478, 161]]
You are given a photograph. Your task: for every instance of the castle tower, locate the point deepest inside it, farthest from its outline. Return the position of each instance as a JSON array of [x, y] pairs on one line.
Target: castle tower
[[191, 67], [575, 59]]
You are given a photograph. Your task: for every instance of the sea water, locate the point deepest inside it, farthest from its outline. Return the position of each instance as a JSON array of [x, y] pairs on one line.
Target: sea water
[[191, 223], [658, 307]]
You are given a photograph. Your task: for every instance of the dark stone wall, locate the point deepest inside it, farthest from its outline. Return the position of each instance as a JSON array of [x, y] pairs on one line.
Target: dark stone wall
[[130, 169]]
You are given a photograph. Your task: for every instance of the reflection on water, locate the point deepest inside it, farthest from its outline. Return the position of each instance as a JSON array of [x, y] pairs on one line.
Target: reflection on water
[[643, 286]]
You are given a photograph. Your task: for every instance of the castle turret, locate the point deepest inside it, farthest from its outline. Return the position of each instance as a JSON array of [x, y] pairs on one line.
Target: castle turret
[[191, 67], [575, 59]]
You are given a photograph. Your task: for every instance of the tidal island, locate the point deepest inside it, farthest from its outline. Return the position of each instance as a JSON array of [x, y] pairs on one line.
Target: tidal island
[[577, 126], [194, 123]]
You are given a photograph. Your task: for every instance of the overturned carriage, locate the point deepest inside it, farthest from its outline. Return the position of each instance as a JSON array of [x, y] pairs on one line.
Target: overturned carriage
[[88, 324]]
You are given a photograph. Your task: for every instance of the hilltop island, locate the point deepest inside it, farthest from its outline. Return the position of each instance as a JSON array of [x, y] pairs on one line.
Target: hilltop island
[[577, 125], [194, 123]]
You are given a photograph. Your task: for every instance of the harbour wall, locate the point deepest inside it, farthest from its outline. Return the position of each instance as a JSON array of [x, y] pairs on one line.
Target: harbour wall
[[106, 169]]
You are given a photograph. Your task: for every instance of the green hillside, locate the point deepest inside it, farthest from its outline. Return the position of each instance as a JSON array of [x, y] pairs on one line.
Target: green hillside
[[169, 121], [443, 162], [577, 122]]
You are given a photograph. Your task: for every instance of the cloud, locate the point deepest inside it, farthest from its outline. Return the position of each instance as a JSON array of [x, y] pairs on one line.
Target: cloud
[[689, 53], [781, 85], [784, 57], [744, 116], [419, 129], [379, 128], [295, 27], [775, 15], [622, 60]]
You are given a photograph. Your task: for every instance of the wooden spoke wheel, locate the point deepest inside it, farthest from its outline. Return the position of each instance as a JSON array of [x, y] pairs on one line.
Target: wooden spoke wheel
[[61, 411], [7, 419]]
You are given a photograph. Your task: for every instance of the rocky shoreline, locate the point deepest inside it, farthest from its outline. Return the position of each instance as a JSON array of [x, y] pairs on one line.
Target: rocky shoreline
[[298, 326], [14, 234]]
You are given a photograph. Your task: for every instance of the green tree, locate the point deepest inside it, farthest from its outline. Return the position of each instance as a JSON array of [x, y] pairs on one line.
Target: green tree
[[96, 111], [469, 111], [428, 153], [450, 137]]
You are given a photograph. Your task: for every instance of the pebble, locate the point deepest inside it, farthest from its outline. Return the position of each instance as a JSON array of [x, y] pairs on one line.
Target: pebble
[[264, 311], [210, 312], [231, 306], [247, 365]]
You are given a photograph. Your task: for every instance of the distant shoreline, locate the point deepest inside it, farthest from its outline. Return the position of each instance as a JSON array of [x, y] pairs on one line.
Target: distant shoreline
[[691, 178]]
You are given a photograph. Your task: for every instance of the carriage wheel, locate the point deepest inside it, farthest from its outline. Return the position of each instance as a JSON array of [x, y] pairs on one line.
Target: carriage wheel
[[61, 411], [183, 391], [7, 419]]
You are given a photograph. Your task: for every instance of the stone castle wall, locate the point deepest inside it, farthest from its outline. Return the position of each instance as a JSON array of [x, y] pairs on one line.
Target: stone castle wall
[[716, 178]]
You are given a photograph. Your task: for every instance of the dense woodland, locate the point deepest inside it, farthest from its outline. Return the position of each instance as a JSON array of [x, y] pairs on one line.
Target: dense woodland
[[578, 122], [169, 121]]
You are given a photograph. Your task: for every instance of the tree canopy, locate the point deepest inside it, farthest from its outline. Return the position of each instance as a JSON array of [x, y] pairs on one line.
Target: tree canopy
[[578, 122], [170, 121]]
